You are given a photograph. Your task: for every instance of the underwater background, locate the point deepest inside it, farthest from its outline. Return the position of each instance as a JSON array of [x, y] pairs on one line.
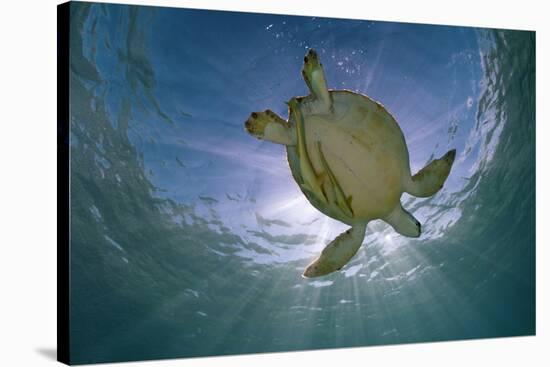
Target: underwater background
[[189, 236]]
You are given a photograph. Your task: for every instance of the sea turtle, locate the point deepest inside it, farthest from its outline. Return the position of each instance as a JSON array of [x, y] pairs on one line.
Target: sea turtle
[[350, 159]]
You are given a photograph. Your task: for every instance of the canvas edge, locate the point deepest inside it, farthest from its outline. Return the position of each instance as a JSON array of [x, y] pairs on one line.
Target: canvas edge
[[63, 184]]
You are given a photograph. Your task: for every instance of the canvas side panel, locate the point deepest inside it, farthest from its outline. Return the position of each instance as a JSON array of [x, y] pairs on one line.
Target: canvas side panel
[[63, 184]]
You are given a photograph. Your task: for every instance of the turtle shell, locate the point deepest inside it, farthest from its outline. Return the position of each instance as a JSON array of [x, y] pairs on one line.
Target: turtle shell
[[365, 150]]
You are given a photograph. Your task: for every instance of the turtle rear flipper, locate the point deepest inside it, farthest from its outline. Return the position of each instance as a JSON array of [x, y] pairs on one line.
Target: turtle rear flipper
[[403, 222]]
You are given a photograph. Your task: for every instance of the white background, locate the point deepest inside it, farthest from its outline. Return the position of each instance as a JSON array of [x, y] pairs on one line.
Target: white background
[[28, 183]]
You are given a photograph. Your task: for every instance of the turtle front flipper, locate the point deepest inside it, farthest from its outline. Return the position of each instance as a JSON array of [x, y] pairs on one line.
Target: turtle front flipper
[[430, 179], [337, 253], [342, 203], [314, 77], [310, 181], [269, 126]]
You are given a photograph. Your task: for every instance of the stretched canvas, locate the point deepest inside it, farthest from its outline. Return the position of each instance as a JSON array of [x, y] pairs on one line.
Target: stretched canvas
[[234, 183]]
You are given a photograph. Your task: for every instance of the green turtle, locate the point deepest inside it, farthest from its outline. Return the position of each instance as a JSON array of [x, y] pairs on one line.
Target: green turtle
[[350, 159]]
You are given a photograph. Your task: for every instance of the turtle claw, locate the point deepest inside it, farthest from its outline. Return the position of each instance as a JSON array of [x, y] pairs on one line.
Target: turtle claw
[[256, 123], [311, 61]]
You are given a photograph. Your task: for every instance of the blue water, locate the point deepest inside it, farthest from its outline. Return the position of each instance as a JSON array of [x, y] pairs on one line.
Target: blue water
[[188, 236]]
